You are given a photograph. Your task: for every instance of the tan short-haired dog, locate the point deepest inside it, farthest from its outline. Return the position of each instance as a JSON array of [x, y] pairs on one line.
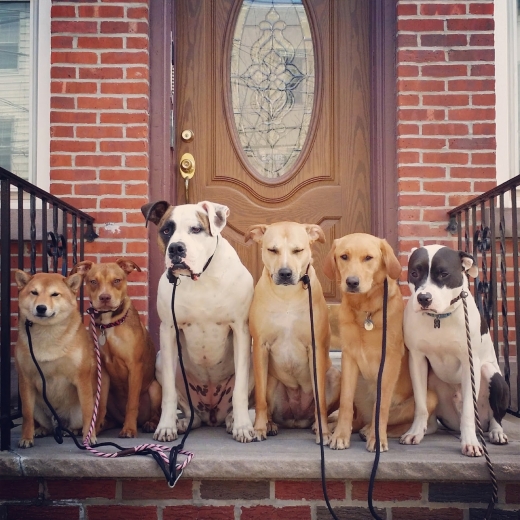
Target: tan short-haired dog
[[280, 326], [127, 350], [64, 351], [362, 262]]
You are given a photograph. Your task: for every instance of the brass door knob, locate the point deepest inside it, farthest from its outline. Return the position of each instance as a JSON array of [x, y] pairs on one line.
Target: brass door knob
[[187, 136]]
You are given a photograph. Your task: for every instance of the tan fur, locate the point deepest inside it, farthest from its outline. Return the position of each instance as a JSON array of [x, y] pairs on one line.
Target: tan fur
[[128, 355], [64, 351], [371, 260], [280, 327]]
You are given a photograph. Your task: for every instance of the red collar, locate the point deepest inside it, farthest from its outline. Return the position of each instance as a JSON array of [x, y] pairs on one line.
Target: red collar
[[102, 326]]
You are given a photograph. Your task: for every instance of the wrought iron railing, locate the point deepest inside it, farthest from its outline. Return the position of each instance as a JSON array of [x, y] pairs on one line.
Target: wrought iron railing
[[36, 229], [487, 228]]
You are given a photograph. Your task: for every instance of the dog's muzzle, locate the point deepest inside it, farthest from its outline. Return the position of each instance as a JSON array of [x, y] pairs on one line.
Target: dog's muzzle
[[352, 284], [284, 276], [424, 299]]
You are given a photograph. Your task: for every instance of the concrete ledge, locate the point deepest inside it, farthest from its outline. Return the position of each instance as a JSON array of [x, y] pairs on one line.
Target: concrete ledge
[[291, 455]]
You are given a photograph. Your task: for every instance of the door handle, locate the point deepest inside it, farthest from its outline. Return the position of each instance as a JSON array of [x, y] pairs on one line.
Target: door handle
[[187, 168]]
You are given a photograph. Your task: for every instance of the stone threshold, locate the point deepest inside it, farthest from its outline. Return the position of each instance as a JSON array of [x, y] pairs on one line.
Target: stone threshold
[[292, 454]]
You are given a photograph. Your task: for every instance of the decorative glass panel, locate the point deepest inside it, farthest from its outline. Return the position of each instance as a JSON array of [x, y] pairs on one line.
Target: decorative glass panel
[[272, 82]]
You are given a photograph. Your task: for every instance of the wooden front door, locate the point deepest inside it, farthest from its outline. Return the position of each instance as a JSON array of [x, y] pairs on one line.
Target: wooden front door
[[279, 114]]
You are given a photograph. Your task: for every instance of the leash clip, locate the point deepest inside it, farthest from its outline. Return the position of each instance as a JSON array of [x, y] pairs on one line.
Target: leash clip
[[175, 280], [305, 280]]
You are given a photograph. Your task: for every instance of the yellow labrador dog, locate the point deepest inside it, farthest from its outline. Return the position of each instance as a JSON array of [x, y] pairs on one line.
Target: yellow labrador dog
[[362, 262], [280, 326]]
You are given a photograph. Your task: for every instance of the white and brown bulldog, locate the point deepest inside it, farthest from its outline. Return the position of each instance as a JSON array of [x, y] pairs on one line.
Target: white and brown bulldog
[[435, 334], [211, 306]]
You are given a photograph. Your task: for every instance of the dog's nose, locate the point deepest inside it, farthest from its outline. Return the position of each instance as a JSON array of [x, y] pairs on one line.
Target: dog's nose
[[285, 274], [424, 299], [41, 309], [353, 282], [177, 249], [105, 298]]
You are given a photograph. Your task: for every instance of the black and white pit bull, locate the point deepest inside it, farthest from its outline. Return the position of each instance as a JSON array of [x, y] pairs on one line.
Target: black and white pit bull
[[212, 304], [435, 333]]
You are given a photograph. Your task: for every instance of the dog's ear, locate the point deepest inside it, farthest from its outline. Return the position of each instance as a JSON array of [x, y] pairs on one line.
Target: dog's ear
[[127, 265], [393, 267], [330, 267], [315, 233], [255, 233], [22, 278], [74, 281], [154, 211], [82, 267], [468, 264], [217, 215]]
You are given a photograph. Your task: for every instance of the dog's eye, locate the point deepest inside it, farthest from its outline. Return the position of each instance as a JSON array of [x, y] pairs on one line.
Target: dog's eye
[[273, 250], [34, 293], [368, 258], [117, 280], [443, 274], [344, 257], [414, 274], [54, 294], [93, 282], [196, 230], [296, 251], [166, 231]]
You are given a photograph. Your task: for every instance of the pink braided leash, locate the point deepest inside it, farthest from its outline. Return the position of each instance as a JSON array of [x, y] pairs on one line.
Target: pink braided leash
[[163, 451]]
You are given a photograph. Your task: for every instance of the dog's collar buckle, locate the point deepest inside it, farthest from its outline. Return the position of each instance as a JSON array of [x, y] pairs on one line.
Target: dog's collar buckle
[[463, 294]]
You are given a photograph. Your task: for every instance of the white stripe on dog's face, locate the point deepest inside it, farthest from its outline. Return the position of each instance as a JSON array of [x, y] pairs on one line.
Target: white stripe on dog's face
[[188, 243], [436, 277]]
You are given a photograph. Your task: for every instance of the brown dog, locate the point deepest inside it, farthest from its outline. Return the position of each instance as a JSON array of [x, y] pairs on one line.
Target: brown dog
[[280, 327], [134, 395], [64, 351], [362, 262]]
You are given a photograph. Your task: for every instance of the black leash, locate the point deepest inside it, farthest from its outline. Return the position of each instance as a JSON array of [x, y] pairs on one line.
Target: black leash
[[307, 285]]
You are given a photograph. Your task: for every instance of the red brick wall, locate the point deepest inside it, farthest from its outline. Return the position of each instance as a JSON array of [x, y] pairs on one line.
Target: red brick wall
[[99, 124], [249, 500], [446, 113]]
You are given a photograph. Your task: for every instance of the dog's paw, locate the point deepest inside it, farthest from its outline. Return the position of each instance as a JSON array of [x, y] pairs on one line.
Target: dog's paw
[[40, 431], [339, 442], [497, 436], [244, 433], [149, 427], [26, 443], [472, 450], [128, 433], [371, 444], [413, 436], [165, 433], [327, 436], [92, 440]]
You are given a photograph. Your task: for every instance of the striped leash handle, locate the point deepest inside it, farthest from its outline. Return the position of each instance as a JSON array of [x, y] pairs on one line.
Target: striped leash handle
[[159, 448]]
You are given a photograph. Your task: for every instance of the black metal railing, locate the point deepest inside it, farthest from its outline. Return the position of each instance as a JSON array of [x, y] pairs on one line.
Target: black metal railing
[[36, 229], [487, 228]]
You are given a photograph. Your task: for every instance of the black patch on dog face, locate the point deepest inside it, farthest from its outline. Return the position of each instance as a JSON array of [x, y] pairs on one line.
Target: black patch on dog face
[[418, 267], [446, 269], [166, 232], [498, 396]]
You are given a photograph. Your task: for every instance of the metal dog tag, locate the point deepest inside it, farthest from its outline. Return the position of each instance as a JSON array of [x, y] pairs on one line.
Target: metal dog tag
[[369, 324], [102, 338], [436, 323]]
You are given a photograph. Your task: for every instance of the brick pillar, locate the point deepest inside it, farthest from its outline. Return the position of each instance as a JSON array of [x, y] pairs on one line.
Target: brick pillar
[[446, 113], [99, 124]]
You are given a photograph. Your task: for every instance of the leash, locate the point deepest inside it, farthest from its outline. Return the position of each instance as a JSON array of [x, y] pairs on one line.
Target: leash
[[307, 286], [166, 457], [158, 452], [494, 496]]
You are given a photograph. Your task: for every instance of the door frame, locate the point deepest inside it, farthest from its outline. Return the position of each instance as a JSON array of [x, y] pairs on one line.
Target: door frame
[[383, 128]]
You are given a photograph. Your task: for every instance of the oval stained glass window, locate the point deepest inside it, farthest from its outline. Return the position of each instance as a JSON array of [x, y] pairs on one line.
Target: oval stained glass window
[[272, 83]]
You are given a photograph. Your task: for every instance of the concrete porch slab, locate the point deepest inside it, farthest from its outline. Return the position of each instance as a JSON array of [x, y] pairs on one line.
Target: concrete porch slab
[[291, 455]]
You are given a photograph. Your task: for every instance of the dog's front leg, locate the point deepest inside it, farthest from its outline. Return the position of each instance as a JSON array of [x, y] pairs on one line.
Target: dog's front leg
[[349, 375], [86, 401], [242, 427], [166, 367], [419, 375], [135, 381], [27, 397], [470, 444], [321, 374], [260, 362]]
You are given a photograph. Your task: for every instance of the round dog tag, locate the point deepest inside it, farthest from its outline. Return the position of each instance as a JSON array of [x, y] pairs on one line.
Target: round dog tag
[[102, 338], [369, 324]]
